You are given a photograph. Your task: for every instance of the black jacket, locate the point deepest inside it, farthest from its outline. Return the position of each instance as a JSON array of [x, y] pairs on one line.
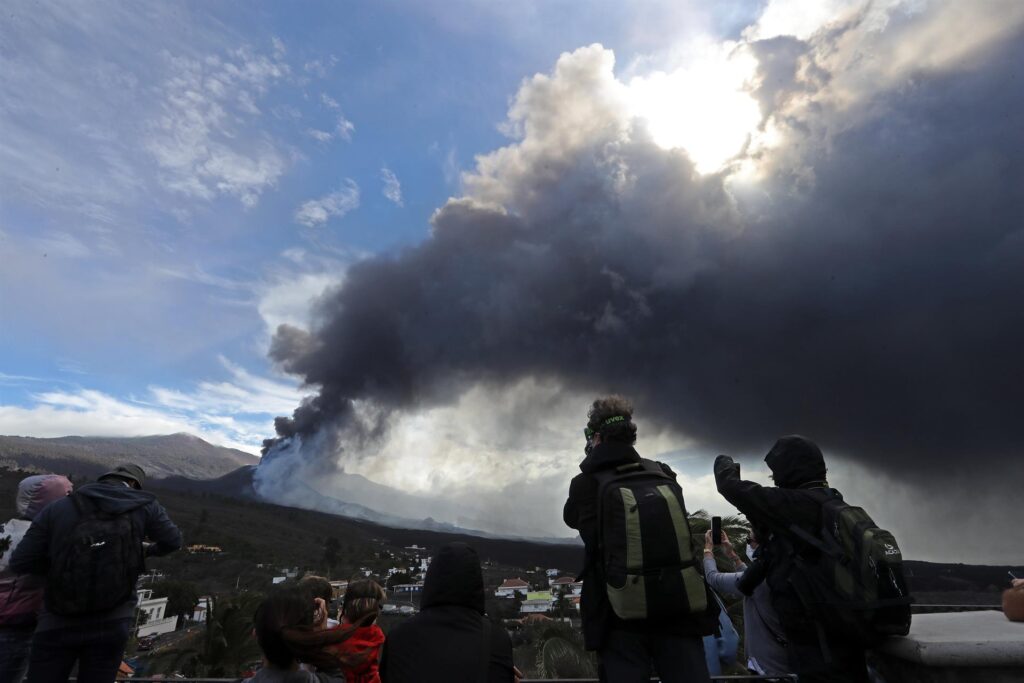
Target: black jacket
[[57, 520], [797, 465], [444, 642], [580, 513]]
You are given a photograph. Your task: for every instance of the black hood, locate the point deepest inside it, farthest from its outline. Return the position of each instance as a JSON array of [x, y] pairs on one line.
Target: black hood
[[795, 461], [114, 497], [454, 578], [610, 454]]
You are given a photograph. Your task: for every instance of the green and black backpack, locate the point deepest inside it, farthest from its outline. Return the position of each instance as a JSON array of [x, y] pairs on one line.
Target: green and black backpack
[[854, 586], [649, 565]]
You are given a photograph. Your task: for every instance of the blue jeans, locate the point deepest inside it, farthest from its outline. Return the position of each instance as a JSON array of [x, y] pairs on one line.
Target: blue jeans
[[14, 647], [96, 647]]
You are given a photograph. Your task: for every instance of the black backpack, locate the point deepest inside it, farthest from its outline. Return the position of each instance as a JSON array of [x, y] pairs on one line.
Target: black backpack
[[854, 586], [95, 569], [649, 565]]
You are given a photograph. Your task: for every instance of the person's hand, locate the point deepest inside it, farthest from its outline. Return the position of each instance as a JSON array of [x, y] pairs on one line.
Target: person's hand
[[319, 614], [1018, 583], [724, 463], [517, 674]]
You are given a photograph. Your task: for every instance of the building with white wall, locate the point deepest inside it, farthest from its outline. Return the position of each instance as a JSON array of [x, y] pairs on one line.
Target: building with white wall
[[509, 587], [155, 621]]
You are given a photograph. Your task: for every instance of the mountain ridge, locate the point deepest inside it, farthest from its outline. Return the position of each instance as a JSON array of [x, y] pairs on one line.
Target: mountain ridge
[[161, 455]]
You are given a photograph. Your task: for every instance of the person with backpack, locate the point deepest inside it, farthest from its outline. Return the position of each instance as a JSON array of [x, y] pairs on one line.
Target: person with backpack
[[21, 596], [644, 599], [90, 547], [451, 640], [835, 578]]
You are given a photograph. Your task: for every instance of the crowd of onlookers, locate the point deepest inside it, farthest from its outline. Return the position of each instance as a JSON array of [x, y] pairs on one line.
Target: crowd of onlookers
[[820, 582]]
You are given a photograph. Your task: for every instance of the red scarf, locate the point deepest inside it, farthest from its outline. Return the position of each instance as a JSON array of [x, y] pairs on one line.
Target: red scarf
[[364, 647]]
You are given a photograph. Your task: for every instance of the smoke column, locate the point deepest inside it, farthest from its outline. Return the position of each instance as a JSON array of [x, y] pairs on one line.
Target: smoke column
[[865, 288]]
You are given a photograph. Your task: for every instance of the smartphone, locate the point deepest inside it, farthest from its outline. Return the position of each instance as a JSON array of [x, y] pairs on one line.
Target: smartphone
[[716, 530]]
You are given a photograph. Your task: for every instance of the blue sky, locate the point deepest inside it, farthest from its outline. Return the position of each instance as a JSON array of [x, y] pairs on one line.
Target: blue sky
[[180, 177]]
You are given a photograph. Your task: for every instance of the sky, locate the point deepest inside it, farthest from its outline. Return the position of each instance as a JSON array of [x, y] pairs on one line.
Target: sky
[[447, 226]]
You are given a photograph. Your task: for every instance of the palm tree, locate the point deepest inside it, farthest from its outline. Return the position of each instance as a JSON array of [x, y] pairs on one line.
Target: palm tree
[[223, 649], [735, 526], [560, 654]]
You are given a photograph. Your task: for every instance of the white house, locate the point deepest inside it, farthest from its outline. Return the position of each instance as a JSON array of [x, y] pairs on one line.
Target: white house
[[509, 587], [552, 574], [562, 584], [202, 608], [156, 623], [407, 587], [536, 603]]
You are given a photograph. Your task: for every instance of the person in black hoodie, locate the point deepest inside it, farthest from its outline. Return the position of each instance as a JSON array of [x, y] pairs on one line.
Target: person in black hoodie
[[626, 649], [95, 640], [797, 467], [451, 640]]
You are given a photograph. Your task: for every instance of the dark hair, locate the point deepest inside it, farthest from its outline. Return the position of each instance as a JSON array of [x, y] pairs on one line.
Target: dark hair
[[317, 587], [284, 608], [363, 600], [600, 418], [285, 633]]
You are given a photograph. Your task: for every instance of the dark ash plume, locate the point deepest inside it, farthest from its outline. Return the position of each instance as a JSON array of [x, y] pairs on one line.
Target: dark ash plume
[[870, 295]]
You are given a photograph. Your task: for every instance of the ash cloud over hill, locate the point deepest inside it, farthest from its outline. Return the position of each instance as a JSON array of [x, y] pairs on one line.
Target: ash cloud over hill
[[865, 289]]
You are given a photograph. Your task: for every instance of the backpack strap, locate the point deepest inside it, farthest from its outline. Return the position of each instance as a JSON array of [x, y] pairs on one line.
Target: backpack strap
[[485, 648], [826, 545]]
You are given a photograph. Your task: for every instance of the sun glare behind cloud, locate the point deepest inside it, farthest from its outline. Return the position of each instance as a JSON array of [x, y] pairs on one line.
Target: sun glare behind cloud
[[703, 107]]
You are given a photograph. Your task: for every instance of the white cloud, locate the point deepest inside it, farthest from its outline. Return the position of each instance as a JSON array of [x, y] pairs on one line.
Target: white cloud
[[320, 67], [344, 128], [329, 101], [279, 48], [200, 140], [335, 205], [392, 188], [237, 412], [319, 135]]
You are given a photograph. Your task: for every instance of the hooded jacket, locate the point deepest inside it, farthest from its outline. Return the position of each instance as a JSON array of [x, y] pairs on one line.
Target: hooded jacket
[[444, 643], [57, 521], [797, 466], [580, 513], [364, 647], [22, 596]]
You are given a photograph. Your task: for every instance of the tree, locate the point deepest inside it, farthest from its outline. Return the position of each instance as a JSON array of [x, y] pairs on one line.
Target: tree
[[560, 653], [737, 528], [225, 646], [398, 579], [182, 596], [332, 547]]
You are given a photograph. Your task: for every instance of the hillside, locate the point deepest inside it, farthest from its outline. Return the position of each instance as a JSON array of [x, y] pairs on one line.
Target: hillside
[[161, 456], [254, 532]]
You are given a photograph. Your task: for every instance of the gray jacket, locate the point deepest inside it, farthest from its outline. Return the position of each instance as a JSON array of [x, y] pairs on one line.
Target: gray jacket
[[762, 631]]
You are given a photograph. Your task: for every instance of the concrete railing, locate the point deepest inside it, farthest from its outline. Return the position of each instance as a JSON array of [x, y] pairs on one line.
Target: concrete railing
[[750, 677]]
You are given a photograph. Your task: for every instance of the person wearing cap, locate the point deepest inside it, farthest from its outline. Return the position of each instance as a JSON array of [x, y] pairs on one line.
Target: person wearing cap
[[95, 640], [22, 596]]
